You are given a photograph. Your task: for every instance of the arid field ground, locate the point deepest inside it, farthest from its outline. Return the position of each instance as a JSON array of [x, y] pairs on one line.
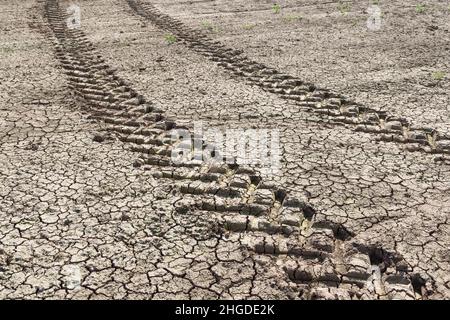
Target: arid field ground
[[92, 205]]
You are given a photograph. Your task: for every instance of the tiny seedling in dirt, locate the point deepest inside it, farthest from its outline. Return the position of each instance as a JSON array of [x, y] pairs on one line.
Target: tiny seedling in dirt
[[376, 2], [276, 8], [249, 26], [6, 50], [170, 38], [292, 18], [209, 26], [420, 8], [438, 75], [344, 8]]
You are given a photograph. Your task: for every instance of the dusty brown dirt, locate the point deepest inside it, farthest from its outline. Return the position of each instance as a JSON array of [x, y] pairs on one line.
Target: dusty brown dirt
[[92, 207]]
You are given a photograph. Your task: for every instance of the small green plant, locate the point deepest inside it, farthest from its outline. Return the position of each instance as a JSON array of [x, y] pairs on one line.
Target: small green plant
[[210, 27], [344, 8], [249, 26], [376, 2], [438, 75], [207, 25], [170, 38], [276, 8], [6, 50], [293, 17], [420, 8]]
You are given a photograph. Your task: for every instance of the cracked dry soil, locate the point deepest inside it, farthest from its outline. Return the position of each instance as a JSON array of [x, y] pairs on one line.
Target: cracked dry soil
[[91, 207]]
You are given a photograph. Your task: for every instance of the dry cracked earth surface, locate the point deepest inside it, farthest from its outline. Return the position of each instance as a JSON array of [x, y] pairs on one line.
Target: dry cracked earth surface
[[92, 207]]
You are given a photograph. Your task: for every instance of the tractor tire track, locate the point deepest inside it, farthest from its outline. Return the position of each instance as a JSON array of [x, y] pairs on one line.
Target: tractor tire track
[[268, 220], [332, 107]]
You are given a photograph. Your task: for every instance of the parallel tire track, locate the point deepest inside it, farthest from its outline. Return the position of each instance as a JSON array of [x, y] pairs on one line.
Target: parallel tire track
[[333, 107], [269, 220]]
